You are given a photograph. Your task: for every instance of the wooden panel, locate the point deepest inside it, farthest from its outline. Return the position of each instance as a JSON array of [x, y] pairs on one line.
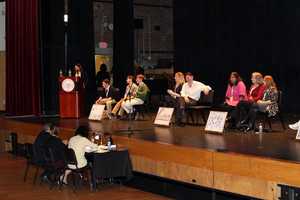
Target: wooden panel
[[174, 171], [194, 157], [243, 185], [278, 171], [2, 80]]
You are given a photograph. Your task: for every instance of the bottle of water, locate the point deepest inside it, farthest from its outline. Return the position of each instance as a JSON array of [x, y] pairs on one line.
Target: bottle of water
[[60, 73], [260, 128], [109, 144]]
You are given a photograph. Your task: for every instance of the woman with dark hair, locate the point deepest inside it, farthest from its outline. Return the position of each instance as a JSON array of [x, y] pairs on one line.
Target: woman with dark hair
[[79, 72], [81, 144], [102, 75], [236, 92]]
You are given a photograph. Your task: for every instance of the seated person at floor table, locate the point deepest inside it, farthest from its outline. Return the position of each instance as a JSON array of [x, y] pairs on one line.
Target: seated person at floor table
[[108, 96], [81, 145], [268, 104], [58, 149], [236, 92], [39, 147], [256, 93], [190, 95], [175, 93], [141, 95], [130, 93]]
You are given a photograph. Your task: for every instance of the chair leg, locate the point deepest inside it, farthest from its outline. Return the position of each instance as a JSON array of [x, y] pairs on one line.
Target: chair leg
[[281, 121], [270, 124], [26, 172], [203, 116], [35, 175]]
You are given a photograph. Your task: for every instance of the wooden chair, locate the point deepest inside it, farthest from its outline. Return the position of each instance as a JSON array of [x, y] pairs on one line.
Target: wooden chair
[[205, 103]]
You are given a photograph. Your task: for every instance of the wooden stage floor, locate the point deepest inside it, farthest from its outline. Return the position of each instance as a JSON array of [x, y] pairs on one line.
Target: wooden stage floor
[[279, 144], [246, 164]]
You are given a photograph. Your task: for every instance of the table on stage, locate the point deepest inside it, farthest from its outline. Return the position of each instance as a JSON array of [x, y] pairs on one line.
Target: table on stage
[[107, 165]]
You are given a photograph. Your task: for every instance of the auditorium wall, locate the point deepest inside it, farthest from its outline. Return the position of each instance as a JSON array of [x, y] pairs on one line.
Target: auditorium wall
[[2, 80]]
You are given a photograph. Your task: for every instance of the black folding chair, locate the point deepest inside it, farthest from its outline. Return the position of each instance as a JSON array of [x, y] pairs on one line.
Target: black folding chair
[[142, 109], [77, 174], [29, 155], [205, 103], [268, 120]]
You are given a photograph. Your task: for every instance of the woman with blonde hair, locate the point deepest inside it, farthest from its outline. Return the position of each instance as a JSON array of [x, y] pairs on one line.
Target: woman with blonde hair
[[255, 94], [175, 93], [268, 104]]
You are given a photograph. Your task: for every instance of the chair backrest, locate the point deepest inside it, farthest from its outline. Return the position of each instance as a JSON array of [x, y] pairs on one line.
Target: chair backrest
[[28, 151], [207, 99], [279, 100], [71, 157]]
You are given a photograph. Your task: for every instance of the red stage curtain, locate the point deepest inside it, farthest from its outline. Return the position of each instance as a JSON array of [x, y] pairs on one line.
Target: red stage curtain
[[22, 71]]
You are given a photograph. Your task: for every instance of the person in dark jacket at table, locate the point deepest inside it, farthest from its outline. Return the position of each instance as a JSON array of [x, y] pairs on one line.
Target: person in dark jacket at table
[[255, 94], [39, 143], [59, 150], [39, 148]]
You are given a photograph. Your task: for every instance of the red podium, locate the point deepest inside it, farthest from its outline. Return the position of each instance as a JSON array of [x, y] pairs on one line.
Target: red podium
[[71, 102]]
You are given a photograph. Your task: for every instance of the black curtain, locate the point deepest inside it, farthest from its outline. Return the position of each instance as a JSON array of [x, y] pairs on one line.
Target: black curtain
[[81, 47], [215, 37], [123, 42], [51, 52]]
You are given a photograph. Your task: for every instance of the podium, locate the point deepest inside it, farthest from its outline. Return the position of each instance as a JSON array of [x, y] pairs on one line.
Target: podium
[[71, 97]]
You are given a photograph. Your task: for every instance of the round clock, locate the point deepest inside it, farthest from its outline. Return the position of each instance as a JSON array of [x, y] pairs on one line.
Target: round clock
[[68, 85]]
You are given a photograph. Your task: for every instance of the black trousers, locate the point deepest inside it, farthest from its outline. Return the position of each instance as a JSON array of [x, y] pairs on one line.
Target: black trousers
[[181, 105], [246, 112], [232, 112]]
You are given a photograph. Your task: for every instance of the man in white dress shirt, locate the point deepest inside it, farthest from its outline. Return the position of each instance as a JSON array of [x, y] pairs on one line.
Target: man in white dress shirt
[[190, 95]]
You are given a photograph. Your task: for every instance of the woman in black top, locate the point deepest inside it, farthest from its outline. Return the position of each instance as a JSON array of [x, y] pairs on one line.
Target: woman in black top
[[173, 94]]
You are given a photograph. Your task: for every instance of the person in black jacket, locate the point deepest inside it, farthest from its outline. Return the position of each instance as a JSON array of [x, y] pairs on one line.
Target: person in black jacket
[[102, 75], [38, 145], [58, 149], [170, 99], [108, 96]]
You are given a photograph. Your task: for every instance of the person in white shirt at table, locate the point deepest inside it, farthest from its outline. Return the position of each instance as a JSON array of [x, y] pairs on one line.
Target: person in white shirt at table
[[80, 145], [190, 95]]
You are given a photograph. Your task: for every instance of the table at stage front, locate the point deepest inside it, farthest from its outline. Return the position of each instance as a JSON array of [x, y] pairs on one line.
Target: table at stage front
[[111, 164]]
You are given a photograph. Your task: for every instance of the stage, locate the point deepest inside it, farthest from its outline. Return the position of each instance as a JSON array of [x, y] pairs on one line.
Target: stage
[[247, 164]]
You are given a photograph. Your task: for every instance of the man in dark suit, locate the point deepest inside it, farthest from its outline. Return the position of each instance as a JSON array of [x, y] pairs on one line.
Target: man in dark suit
[[58, 150], [108, 96], [38, 145]]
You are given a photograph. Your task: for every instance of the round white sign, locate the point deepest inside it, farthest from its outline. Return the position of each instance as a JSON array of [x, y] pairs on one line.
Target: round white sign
[[68, 85]]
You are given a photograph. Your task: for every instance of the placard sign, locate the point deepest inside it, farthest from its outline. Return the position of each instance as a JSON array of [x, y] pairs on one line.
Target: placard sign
[[216, 121], [298, 134], [96, 112], [164, 116]]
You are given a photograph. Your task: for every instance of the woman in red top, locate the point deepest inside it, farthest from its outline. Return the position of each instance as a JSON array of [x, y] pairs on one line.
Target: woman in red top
[[256, 93]]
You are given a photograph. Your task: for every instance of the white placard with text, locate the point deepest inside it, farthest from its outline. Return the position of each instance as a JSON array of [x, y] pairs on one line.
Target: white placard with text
[[164, 116], [216, 121], [298, 134], [96, 112]]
